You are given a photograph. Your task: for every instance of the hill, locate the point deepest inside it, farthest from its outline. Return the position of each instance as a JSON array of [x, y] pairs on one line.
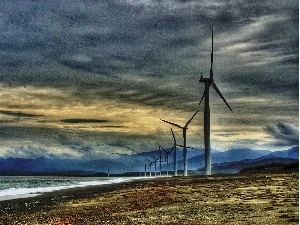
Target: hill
[[231, 161]]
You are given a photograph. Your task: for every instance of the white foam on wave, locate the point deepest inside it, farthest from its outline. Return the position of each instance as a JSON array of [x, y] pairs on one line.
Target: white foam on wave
[[15, 193]]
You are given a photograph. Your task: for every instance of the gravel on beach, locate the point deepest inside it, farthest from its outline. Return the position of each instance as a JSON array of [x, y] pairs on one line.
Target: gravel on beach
[[194, 200]]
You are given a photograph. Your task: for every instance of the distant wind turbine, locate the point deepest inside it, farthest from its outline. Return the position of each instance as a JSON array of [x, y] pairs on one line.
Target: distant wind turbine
[[208, 82], [150, 165], [175, 154], [145, 167], [160, 158], [168, 152], [155, 160], [184, 128], [140, 166]]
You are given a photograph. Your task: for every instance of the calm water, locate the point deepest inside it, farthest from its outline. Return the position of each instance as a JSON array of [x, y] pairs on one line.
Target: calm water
[[23, 187]]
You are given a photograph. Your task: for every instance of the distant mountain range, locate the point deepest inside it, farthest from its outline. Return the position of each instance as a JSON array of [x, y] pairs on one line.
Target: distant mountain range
[[231, 161], [235, 160], [273, 159]]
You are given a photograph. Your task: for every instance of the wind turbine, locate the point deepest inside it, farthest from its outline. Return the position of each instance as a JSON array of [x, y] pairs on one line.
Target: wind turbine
[[175, 154], [184, 128], [141, 166], [160, 158], [168, 152], [145, 167], [209, 81], [155, 160], [150, 165]]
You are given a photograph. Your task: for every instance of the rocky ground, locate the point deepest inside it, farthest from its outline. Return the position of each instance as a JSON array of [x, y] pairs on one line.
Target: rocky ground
[[231, 199]]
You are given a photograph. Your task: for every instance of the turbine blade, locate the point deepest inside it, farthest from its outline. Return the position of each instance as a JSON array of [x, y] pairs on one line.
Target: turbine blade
[[186, 146], [173, 137], [171, 150], [212, 53], [212, 43], [162, 148], [188, 122], [174, 124], [218, 91], [202, 98], [180, 145]]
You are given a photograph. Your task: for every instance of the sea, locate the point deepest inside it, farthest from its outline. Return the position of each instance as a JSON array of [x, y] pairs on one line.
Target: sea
[[14, 187]]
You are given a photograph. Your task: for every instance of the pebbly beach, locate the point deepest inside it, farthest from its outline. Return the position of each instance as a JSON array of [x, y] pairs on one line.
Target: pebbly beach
[[218, 199]]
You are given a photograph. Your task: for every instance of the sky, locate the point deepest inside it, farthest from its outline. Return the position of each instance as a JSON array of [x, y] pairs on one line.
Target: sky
[[93, 79]]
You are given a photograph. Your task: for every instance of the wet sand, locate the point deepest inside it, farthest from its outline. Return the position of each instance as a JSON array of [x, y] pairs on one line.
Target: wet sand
[[231, 199]]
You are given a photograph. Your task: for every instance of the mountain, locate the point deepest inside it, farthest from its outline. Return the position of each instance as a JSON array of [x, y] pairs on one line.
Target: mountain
[[196, 162], [292, 153], [234, 160], [237, 155], [230, 161], [248, 165], [54, 165], [190, 153], [279, 159]]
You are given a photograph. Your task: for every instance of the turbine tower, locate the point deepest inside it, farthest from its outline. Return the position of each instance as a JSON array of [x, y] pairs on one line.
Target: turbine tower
[[160, 160], [145, 167], [184, 128], [209, 81], [155, 160], [175, 154], [168, 152], [150, 165]]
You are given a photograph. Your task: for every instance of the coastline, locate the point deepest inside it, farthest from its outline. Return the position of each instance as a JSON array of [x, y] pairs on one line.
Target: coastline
[[29, 192], [52, 198], [219, 199]]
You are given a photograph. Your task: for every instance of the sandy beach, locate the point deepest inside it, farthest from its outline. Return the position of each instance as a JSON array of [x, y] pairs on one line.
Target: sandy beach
[[220, 199]]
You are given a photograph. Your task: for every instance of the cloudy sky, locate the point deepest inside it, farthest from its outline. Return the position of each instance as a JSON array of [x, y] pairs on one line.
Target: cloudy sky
[[92, 79]]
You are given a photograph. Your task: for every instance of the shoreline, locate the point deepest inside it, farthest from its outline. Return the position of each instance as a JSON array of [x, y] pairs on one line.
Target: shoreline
[[219, 199], [37, 191], [54, 197]]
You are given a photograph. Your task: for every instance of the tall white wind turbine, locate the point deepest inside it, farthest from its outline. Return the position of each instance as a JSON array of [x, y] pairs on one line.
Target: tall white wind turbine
[[209, 81], [184, 128]]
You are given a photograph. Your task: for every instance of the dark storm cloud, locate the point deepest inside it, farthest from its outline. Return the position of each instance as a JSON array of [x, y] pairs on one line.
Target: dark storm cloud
[[84, 121], [111, 126], [102, 42], [25, 132], [286, 134], [146, 39], [18, 114]]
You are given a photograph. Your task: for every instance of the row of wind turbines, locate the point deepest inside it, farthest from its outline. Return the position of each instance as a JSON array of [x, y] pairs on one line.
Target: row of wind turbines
[[208, 82], [160, 159]]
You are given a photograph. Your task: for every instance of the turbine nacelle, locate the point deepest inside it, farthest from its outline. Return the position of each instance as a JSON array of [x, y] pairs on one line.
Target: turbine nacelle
[[202, 79]]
